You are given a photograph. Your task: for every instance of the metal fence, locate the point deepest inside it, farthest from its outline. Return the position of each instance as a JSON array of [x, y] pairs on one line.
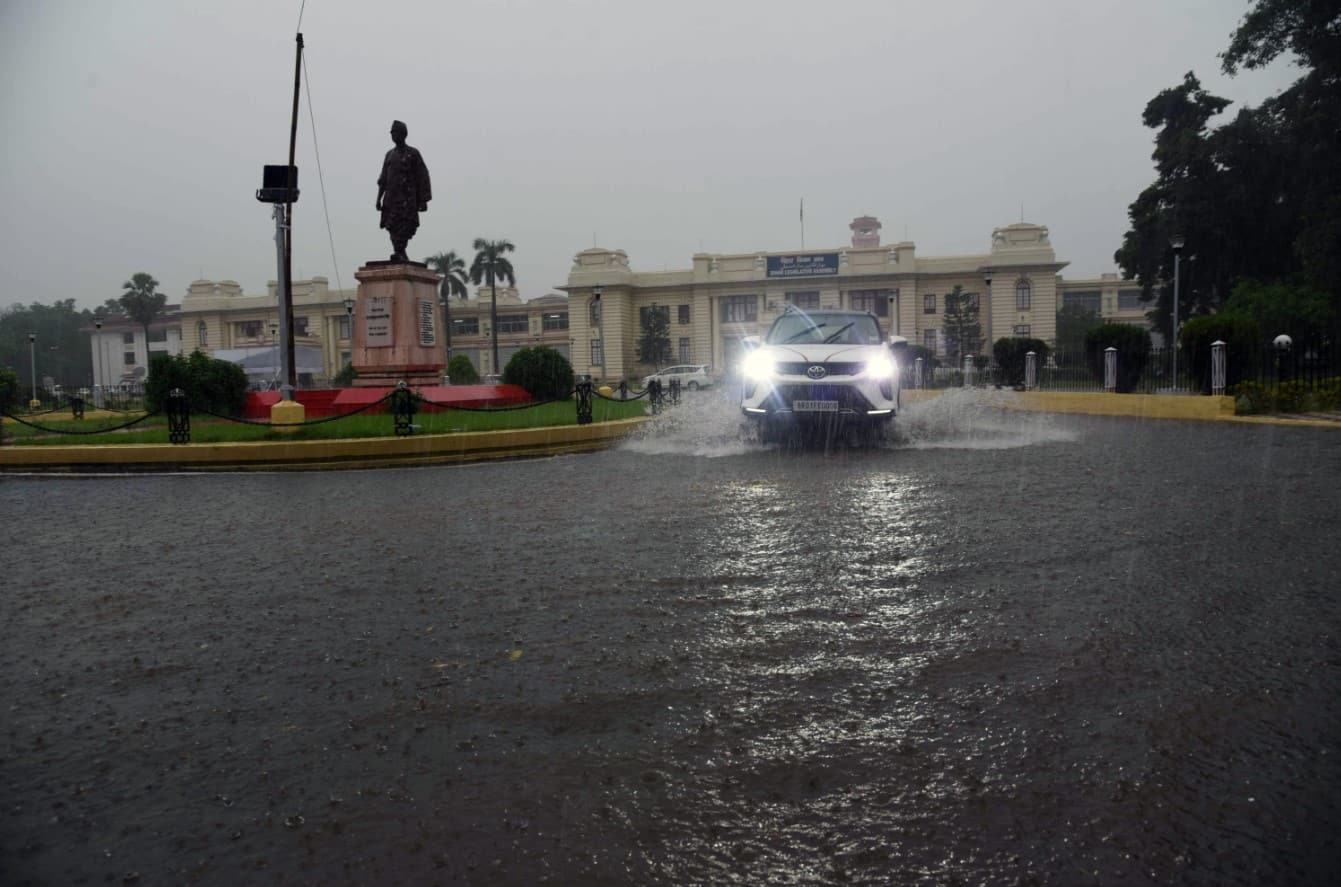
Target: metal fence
[[1270, 366]]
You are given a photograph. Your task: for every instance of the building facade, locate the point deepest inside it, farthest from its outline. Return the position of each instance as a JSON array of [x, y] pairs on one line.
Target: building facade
[[724, 298], [121, 351]]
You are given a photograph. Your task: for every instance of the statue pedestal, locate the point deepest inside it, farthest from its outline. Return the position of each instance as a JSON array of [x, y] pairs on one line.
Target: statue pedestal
[[397, 326]]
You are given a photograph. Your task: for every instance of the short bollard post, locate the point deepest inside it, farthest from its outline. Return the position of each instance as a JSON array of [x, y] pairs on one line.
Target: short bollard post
[[654, 395], [584, 403], [77, 407], [675, 392], [402, 409], [1110, 368], [1030, 370], [178, 409], [917, 372], [623, 389]]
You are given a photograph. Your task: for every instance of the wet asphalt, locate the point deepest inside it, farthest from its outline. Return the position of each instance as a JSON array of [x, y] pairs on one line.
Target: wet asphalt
[[1004, 649]]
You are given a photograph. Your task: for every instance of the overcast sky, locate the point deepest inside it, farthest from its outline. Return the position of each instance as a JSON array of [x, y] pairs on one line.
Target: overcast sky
[[135, 131]]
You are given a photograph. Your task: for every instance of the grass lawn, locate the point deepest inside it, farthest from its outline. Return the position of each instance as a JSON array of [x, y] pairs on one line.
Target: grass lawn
[[207, 429]]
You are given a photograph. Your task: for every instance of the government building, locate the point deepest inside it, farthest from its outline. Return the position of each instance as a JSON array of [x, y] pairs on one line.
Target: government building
[[723, 298]]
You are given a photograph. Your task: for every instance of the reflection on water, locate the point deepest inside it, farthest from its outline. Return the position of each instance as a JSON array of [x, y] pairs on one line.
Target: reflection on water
[[898, 665]]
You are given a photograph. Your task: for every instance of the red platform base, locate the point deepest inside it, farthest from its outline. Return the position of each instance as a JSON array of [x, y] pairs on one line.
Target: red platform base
[[322, 402]]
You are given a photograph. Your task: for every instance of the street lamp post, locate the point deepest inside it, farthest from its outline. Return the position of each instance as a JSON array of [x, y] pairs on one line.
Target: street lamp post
[[274, 339], [100, 377], [987, 278], [349, 314], [1177, 242], [32, 366], [600, 325]]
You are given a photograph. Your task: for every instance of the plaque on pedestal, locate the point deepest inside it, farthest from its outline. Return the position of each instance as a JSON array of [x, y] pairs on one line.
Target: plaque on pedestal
[[396, 321]]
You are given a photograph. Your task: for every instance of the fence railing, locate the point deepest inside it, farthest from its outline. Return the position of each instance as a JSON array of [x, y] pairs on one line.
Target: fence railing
[[1302, 366]]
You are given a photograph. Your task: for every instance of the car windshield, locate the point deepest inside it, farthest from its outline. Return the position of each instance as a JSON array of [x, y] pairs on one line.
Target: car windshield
[[817, 327]]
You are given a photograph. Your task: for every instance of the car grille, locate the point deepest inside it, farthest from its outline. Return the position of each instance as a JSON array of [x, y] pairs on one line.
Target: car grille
[[848, 398], [836, 368]]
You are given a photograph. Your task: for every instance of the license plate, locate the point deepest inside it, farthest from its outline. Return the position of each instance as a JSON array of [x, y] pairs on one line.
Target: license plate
[[815, 406]]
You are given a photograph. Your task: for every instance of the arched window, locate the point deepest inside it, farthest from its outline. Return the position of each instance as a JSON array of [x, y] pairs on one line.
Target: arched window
[[1023, 295], [202, 334]]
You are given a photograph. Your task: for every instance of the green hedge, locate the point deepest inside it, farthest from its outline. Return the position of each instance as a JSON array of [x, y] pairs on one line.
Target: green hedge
[[1288, 397], [1133, 352], [1011, 355], [461, 371], [1242, 338], [217, 386], [542, 371]]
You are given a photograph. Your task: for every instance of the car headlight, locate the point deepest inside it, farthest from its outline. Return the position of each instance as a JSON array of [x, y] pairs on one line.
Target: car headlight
[[757, 366], [881, 367]]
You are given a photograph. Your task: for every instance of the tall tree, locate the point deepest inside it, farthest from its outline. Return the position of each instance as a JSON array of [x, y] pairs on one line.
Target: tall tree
[[452, 271], [108, 308], [490, 266], [654, 344], [960, 327], [1259, 196], [1309, 113], [142, 301], [60, 350]]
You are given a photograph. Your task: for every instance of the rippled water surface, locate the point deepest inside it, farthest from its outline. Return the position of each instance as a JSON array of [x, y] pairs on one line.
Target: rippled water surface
[[1001, 648]]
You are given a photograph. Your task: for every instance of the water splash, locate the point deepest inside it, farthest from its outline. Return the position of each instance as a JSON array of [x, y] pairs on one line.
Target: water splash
[[706, 423], [709, 424], [973, 419]]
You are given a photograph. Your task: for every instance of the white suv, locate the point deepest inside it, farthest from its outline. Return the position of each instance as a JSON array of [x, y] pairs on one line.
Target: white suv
[[822, 370], [691, 377]]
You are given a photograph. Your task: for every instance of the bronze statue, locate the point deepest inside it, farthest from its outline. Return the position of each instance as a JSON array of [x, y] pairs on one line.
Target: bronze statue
[[403, 191]]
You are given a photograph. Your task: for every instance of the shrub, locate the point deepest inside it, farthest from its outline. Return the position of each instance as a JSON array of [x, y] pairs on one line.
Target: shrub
[[461, 371], [9, 390], [216, 386], [929, 362], [1133, 349], [1242, 338], [1297, 396], [345, 377], [543, 372], [1010, 356]]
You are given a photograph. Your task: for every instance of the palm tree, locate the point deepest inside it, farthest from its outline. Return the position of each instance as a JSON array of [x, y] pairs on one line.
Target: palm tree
[[452, 270], [142, 302], [491, 266]]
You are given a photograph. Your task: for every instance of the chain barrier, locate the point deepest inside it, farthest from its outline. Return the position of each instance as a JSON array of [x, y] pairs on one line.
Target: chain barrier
[[639, 396], [178, 408], [583, 391]]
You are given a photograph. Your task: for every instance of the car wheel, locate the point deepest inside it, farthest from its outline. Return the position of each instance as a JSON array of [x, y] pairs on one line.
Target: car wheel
[[692, 386]]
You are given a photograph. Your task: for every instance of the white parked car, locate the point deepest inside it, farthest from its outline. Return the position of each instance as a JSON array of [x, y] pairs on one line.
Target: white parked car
[[691, 376], [822, 370]]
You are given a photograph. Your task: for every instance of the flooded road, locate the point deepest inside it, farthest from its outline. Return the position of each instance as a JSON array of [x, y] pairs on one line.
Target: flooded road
[[1005, 648]]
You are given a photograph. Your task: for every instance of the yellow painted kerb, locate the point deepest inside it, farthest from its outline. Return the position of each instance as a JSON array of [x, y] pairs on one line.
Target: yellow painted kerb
[[358, 452]]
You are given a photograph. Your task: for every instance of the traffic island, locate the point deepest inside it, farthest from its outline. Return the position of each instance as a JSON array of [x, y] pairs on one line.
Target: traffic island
[[370, 452]]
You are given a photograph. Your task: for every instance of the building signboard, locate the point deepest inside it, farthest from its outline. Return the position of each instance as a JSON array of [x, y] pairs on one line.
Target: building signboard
[[810, 265], [428, 324], [377, 322]]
